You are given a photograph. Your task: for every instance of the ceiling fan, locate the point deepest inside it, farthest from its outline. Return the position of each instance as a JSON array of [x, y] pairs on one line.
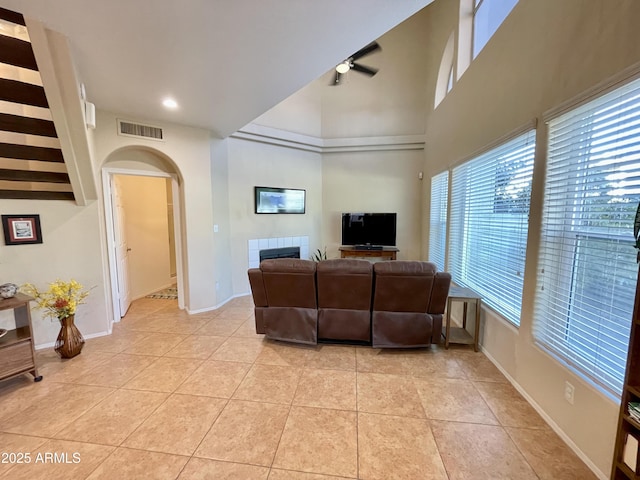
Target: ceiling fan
[[350, 63]]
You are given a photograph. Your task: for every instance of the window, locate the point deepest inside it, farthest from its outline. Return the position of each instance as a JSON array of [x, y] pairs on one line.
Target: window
[[445, 79], [438, 219], [489, 223], [585, 298], [488, 15]]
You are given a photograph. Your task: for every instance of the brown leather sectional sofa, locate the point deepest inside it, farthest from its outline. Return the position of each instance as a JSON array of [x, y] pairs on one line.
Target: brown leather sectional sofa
[[393, 304]]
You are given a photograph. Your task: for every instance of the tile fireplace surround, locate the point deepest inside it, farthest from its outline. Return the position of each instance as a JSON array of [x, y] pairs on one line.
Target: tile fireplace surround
[[257, 244]]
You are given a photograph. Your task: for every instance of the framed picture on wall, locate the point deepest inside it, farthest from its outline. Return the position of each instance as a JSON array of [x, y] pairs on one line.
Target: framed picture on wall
[[21, 229], [279, 200]]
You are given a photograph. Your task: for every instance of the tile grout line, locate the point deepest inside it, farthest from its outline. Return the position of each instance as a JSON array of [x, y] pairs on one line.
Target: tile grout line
[[275, 451]]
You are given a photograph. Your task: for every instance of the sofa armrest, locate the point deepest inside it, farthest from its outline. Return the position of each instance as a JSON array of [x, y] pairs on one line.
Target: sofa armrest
[[257, 287], [439, 293]]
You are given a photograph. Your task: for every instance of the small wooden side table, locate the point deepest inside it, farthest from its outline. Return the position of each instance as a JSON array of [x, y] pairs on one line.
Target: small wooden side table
[[17, 354], [458, 334]]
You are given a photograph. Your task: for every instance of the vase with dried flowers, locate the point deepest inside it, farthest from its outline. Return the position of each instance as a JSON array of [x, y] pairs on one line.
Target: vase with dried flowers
[[60, 301]]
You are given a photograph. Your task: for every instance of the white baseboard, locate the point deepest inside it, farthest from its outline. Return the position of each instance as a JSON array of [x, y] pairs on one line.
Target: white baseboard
[[42, 346], [215, 307], [554, 426]]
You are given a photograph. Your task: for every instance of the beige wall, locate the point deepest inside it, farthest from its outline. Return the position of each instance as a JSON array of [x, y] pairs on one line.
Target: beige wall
[[544, 54], [70, 249], [256, 164], [393, 102], [223, 266], [299, 113], [147, 232], [187, 151], [373, 182], [373, 112]]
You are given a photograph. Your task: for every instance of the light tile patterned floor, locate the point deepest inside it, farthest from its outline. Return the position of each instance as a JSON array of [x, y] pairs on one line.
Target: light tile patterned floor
[[170, 396]]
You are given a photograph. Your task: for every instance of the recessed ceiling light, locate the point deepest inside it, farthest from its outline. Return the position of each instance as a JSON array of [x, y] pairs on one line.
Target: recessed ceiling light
[[170, 103]]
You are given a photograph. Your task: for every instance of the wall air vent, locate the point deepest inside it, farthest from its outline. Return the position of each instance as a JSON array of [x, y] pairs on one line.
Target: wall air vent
[[129, 129]]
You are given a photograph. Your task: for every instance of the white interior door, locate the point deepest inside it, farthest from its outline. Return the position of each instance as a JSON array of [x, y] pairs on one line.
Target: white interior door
[[121, 247]]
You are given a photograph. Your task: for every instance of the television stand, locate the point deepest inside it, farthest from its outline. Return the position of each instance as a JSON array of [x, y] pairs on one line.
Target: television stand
[[368, 247], [365, 251]]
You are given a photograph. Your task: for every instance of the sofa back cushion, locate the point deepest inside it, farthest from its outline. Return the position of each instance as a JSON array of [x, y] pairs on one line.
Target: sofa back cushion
[[289, 282], [403, 286], [345, 284]]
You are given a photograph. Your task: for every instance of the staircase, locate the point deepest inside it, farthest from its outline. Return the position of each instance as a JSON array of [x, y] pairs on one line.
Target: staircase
[[31, 162]]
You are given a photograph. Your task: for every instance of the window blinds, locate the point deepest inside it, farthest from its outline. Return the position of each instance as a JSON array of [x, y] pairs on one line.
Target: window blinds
[[588, 269], [438, 219], [489, 222]]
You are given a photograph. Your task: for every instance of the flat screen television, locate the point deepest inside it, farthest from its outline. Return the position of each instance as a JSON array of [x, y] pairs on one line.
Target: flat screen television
[[375, 229]]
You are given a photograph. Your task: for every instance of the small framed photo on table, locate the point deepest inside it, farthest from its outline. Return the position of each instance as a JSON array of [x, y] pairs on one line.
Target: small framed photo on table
[[21, 229]]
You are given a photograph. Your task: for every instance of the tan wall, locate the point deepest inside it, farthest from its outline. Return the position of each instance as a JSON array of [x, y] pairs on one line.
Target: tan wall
[[223, 266], [255, 164], [544, 54], [392, 102], [70, 249], [147, 232], [188, 151], [373, 182], [299, 113]]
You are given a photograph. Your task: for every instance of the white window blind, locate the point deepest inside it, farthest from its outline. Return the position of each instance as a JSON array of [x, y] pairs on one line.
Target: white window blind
[[490, 198], [585, 297], [438, 219]]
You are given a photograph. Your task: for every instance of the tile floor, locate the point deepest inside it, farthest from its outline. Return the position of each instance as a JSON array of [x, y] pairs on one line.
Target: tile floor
[[169, 396]]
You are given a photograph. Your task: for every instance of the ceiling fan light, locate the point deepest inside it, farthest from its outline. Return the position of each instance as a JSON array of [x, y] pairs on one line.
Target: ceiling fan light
[[343, 67]]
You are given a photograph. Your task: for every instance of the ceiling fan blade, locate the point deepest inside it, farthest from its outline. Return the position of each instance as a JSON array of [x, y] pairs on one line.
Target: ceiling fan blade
[[336, 79], [366, 70], [372, 47]]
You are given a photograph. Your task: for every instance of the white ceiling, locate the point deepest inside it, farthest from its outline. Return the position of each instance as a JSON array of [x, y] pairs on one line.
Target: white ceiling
[[225, 61]]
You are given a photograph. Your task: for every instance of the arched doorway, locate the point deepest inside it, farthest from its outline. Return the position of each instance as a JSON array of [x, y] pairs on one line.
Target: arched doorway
[[142, 166]]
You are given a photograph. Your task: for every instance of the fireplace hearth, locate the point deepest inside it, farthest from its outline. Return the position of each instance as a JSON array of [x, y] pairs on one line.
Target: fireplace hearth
[[256, 245]]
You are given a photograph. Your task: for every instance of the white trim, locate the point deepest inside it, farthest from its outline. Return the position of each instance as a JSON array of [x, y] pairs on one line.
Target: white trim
[[215, 307], [554, 426], [283, 138], [107, 175], [42, 346], [521, 130], [625, 76], [369, 144], [109, 230], [181, 271], [139, 173]]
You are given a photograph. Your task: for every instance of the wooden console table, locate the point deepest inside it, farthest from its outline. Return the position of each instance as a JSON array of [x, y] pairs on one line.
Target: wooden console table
[[387, 253], [17, 354]]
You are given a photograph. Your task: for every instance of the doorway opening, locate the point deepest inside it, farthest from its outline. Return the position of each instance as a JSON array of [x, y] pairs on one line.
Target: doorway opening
[[142, 213]]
